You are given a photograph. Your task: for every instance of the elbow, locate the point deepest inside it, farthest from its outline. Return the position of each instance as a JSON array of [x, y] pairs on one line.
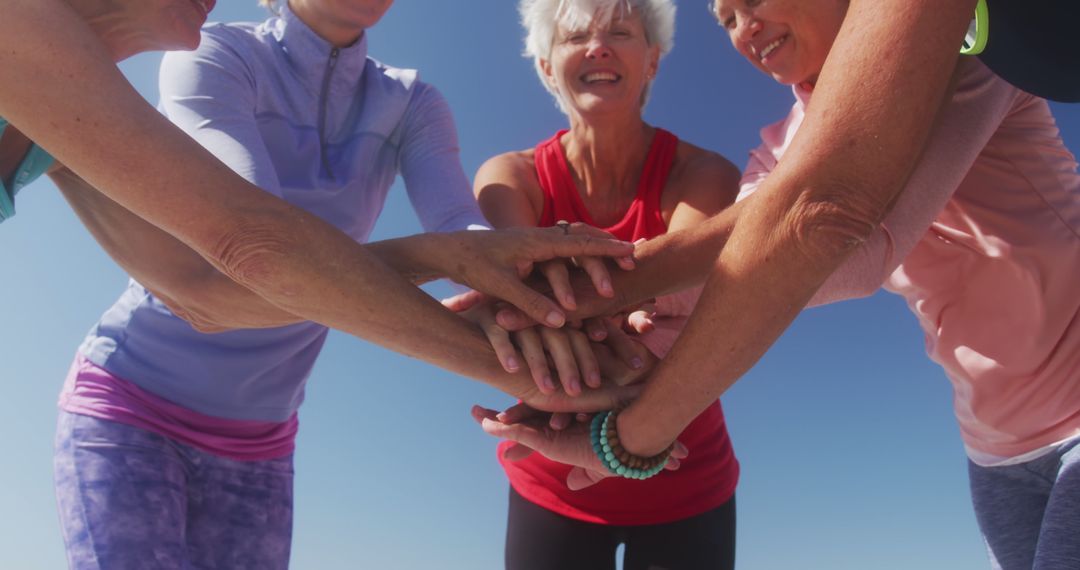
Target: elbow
[[828, 225], [256, 254], [187, 307]]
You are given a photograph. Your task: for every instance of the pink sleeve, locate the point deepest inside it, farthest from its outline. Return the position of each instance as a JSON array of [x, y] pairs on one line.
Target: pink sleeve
[[671, 313], [663, 336], [979, 104]]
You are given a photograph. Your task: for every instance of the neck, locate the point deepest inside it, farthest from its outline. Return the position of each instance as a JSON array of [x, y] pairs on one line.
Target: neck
[[606, 161], [325, 25], [114, 27]]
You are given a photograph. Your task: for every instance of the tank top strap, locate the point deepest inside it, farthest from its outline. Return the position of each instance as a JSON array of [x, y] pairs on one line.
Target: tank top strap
[[654, 176], [557, 184]]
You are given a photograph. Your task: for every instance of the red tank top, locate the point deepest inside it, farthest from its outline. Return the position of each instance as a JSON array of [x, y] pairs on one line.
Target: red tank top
[[708, 476]]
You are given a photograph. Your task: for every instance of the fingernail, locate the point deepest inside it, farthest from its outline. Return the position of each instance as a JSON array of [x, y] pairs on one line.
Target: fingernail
[[605, 287], [573, 385], [555, 319], [512, 364], [548, 383], [636, 363], [594, 379], [568, 301], [502, 417]]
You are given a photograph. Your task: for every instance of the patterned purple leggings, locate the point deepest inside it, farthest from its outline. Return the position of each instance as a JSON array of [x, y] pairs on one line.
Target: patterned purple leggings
[[132, 499]]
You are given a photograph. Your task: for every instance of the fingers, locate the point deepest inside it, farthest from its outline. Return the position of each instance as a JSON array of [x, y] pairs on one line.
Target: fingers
[[583, 240], [529, 301], [560, 420], [623, 346], [580, 478], [512, 319], [532, 347], [500, 340], [519, 433], [517, 452], [598, 274], [463, 301], [557, 344], [678, 451], [596, 328], [583, 355], [641, 321], [518, 413], [559, 278], [480, 413]]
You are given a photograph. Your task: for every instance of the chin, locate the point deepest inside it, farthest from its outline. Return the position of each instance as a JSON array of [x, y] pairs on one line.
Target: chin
[[185, 37]]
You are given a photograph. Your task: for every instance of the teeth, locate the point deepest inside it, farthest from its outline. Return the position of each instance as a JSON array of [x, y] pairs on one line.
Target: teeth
[[769, 48], [600, 76]]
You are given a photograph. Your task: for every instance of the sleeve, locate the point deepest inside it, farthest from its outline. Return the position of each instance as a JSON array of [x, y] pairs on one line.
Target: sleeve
[[210, 94], [431, 166], [977, 107], [672, 312]]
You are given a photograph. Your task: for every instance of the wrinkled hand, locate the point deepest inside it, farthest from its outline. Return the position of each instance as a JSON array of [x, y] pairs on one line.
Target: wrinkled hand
[[570, 446], [618, 358], [495, 262]]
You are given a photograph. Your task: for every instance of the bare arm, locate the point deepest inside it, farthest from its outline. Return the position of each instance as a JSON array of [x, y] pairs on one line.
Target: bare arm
[[192, 288], [866, 127], [119, 144]]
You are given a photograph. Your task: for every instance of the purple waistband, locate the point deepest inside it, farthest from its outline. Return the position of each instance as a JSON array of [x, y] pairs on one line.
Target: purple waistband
[[92, 391]]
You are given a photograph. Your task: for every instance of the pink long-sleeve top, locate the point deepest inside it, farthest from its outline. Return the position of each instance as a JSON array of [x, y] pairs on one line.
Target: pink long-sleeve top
[[984, 243]]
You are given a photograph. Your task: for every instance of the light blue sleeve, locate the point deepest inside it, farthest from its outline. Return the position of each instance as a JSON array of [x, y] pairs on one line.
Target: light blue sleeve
[[210, 94], [430, 162]]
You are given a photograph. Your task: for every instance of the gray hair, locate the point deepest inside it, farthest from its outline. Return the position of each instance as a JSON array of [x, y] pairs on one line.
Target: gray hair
[[541, 18]]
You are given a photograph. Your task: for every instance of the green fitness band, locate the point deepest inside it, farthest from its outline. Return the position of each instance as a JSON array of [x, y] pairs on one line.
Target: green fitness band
[[978, 32]]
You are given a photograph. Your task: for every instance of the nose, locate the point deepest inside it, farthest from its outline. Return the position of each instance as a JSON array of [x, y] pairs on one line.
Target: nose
[[746, 27], [597, 48]]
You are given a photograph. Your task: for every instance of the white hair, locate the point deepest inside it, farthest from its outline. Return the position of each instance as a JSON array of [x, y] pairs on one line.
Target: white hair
[[541, 18]]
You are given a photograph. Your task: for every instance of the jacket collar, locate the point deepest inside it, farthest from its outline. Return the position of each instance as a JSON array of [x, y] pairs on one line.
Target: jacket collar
[[309, 55]]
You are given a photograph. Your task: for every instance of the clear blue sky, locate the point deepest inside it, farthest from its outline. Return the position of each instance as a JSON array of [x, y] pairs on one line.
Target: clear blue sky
[[850, 454]]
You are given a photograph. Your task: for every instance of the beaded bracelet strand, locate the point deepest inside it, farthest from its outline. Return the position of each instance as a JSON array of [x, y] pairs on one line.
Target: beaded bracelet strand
[[618, 461]]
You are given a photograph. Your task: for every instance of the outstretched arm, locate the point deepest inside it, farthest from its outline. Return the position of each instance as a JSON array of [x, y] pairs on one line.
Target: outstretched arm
[[119, 144], [872, 112]]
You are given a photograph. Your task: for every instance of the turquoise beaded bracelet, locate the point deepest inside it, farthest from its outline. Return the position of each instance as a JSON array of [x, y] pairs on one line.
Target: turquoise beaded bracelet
[[616, 459]]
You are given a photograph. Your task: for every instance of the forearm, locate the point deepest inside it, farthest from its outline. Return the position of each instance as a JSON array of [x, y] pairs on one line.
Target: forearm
[[666, 264], [181, 278], [871, 114]]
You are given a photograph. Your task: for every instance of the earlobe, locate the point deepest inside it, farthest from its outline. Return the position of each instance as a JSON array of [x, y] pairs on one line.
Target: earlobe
[[549, 77]]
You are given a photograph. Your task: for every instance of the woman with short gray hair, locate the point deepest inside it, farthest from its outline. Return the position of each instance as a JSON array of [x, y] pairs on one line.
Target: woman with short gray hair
[[610, 170]]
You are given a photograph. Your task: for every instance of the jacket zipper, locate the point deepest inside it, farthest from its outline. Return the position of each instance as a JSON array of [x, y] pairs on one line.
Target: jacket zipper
[[322, 109]]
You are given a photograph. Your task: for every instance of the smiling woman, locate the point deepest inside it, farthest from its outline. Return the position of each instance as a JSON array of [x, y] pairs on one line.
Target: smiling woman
[[611, 170]]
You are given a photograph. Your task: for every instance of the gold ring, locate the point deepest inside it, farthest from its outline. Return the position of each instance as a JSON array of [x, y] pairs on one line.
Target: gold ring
[[565, 225]]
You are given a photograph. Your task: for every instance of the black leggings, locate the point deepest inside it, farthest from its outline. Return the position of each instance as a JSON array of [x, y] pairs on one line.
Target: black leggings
[[538, 539]]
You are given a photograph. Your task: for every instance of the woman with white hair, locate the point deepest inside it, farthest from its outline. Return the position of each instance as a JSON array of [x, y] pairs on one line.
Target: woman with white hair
[[611, 170]]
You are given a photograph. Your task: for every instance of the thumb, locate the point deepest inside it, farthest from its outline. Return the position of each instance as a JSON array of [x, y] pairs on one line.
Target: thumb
[[517, 452], [581, 478]]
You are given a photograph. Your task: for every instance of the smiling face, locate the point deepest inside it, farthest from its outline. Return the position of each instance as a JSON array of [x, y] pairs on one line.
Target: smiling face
[[787, 39], [602, 67]]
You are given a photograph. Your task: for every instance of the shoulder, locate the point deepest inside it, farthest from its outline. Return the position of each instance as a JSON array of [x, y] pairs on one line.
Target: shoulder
[[695, 166], [516, 169], [230, 48], [397, 81], [235, 39]]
